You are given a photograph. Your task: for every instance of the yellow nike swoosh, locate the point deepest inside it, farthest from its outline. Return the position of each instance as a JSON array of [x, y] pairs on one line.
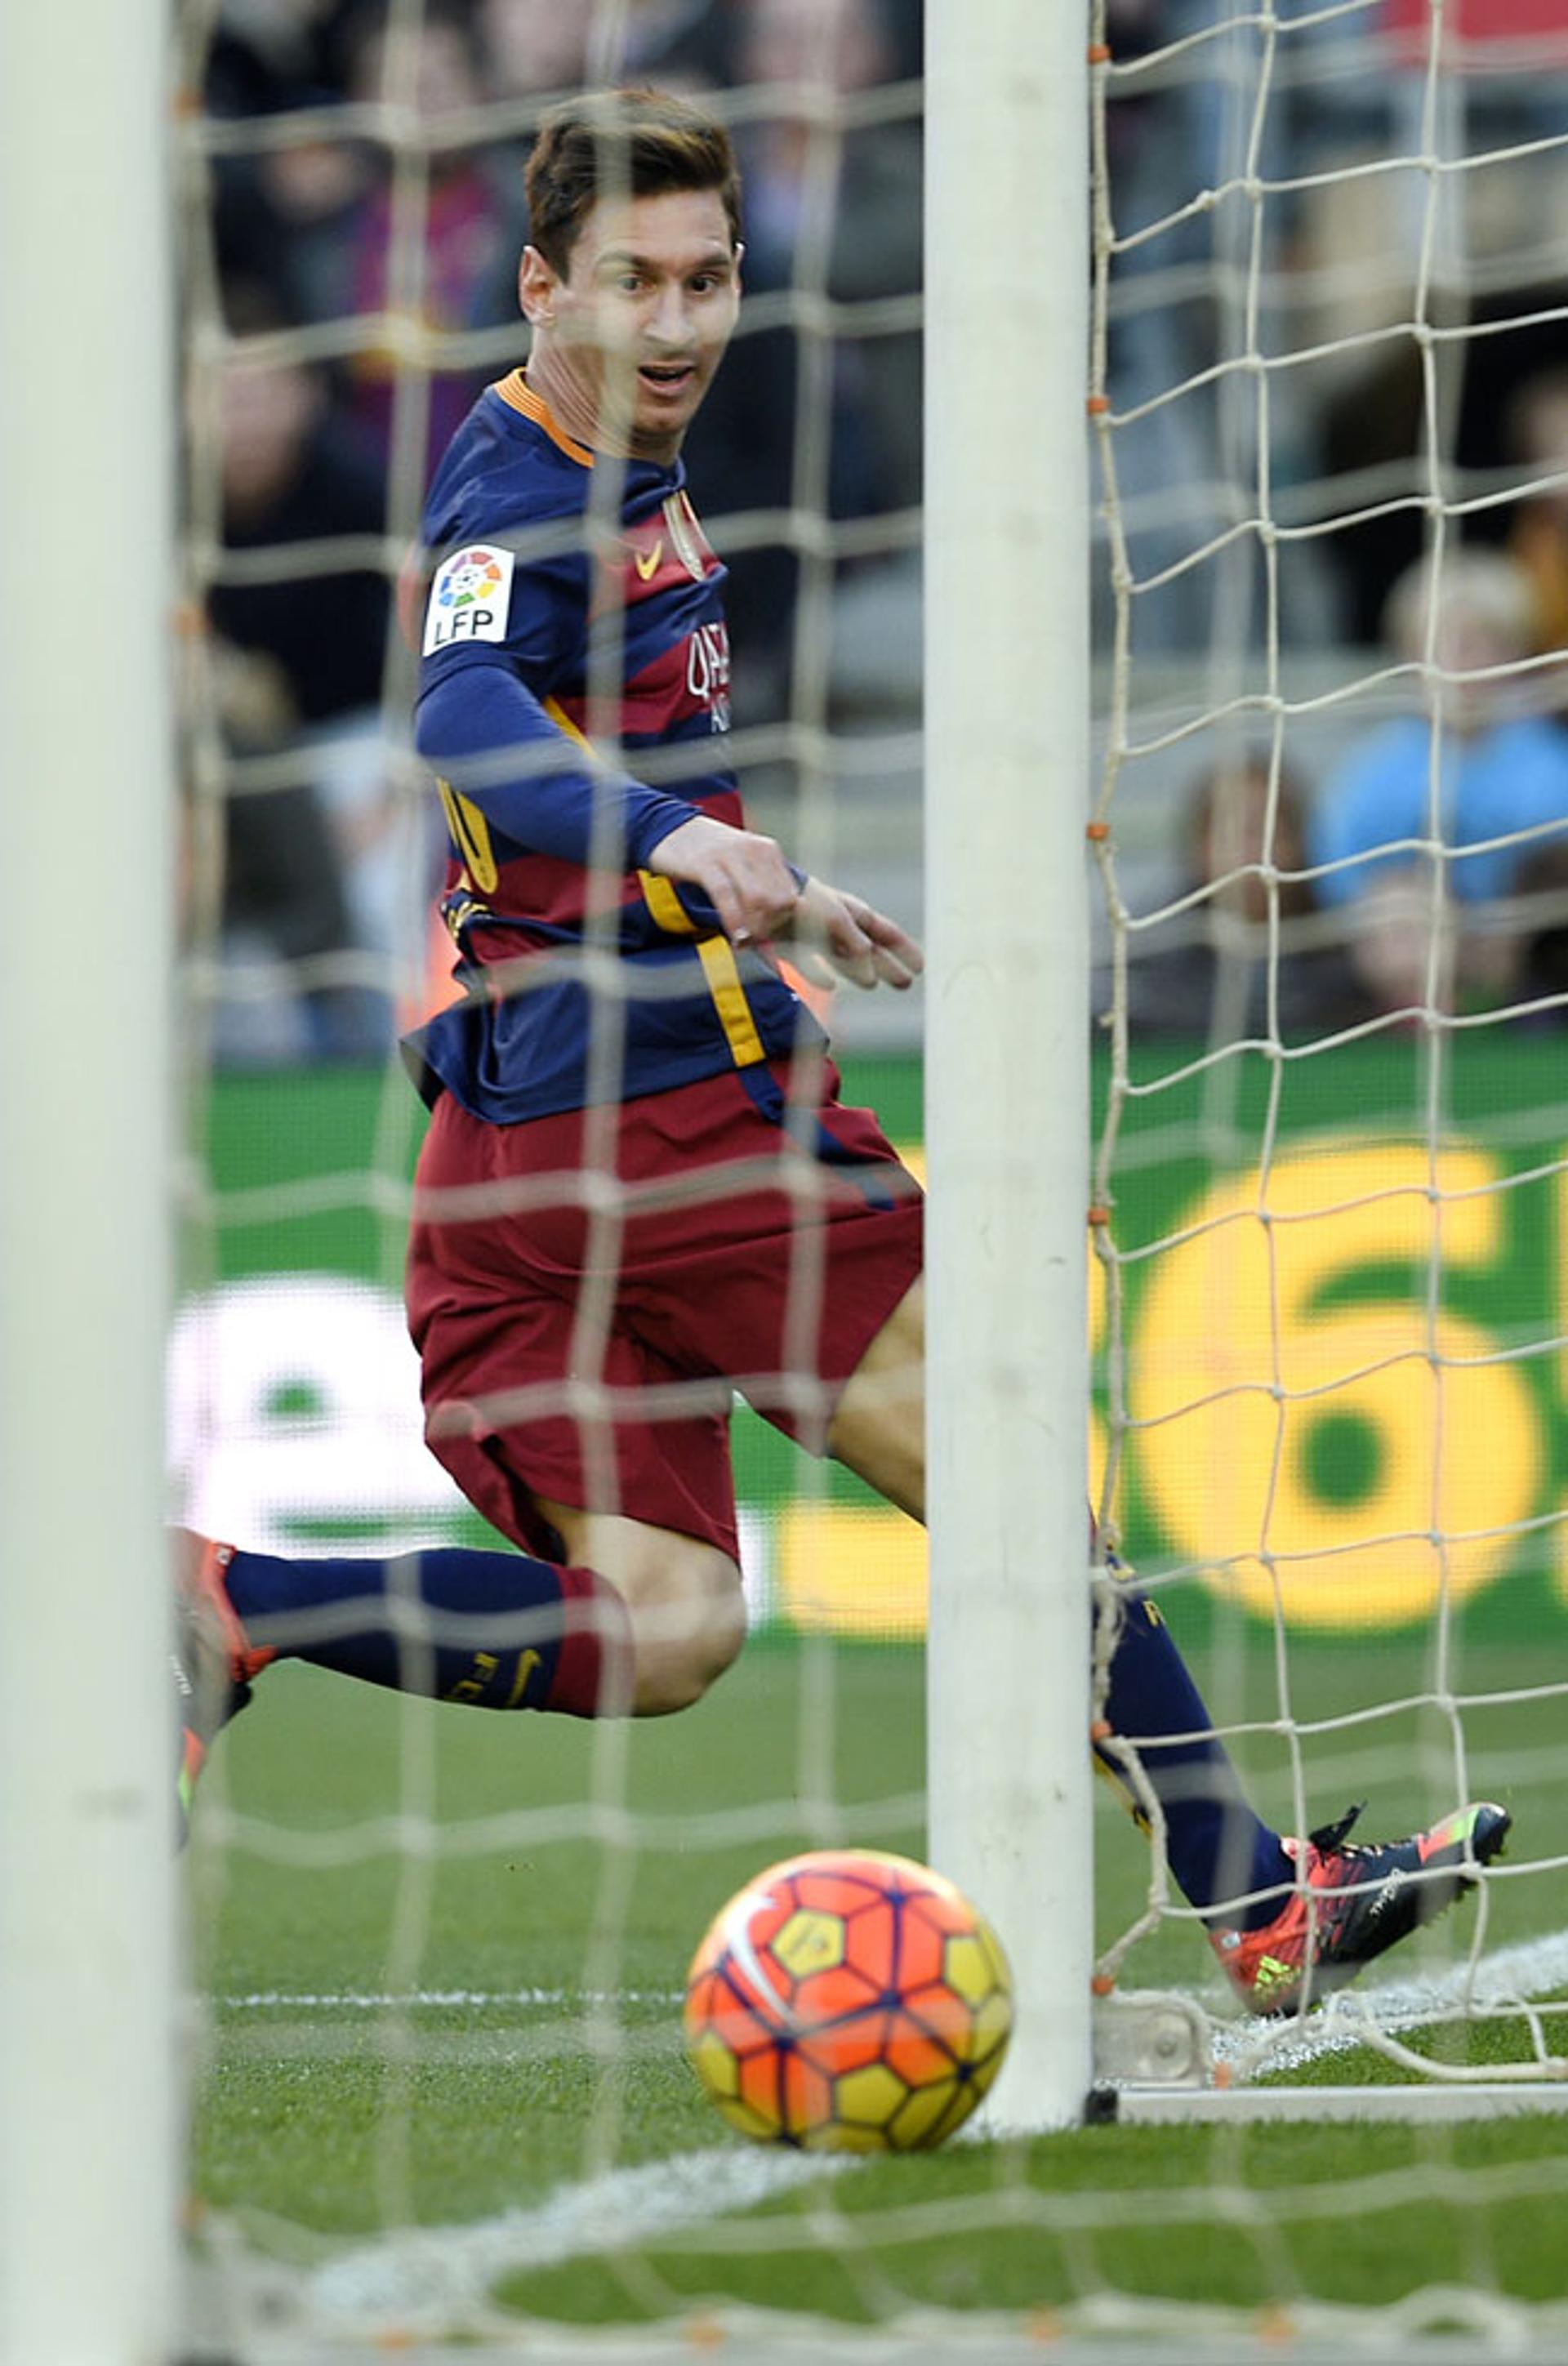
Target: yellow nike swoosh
[[647, 567]]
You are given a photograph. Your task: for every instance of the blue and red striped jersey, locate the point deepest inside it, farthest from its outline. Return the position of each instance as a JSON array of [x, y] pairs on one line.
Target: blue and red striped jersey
[[538, 606]]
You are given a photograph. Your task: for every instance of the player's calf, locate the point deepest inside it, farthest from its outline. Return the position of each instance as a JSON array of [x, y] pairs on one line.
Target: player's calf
[[483, 1630]]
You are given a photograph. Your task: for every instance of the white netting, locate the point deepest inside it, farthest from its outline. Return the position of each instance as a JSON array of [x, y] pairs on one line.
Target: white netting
[[1329, 912], [438, 1956]]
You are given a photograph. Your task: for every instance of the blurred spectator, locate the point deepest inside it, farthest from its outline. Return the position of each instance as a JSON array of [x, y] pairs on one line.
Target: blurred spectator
[[533, 46], [1206, 969], [472, 211], [824, 212], [1542, 892], [1538, 438], [681, 44], [264, 54], [1167, 136], [265, 57], [298, 665], [1373, 433], [277, 214], [1369, 432], [1432, 824], [538, 46], [293, 472]]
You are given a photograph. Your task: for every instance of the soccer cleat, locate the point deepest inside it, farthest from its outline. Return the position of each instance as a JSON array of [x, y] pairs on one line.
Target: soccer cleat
[[212, 1658], [1352, 1900]]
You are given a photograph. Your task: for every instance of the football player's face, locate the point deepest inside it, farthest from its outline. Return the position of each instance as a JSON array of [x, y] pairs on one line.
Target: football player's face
[[642, 318]]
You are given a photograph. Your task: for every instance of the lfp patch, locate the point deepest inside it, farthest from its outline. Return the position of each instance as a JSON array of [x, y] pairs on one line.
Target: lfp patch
[[468, 598]]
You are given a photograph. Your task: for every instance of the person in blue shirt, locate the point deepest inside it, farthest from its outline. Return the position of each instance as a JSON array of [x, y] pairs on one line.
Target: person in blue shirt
[[1435, 815], [639, 1192]]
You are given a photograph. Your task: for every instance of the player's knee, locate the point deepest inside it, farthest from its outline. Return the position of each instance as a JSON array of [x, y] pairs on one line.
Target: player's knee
[[685, 1634]]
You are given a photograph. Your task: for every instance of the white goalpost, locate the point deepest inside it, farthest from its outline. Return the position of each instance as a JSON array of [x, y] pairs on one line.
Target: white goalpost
[[87, 1987], [1006, 1049]]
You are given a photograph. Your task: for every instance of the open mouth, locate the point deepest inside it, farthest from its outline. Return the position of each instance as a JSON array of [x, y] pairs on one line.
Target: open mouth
[[666, 378]]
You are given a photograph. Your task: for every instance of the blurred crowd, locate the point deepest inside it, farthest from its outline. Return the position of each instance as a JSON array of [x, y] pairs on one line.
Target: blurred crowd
[[320, 435]]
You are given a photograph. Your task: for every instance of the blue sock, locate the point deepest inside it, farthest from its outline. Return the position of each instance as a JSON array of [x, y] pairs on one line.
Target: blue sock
[[1218, 1848], [494, 1629]]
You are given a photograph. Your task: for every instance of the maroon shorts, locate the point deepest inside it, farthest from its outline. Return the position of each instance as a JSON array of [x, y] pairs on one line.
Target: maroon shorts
[[586, 1292]]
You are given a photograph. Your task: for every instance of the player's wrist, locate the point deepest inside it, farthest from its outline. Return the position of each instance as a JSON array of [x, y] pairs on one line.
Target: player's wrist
[[665, 819], [671, 851]]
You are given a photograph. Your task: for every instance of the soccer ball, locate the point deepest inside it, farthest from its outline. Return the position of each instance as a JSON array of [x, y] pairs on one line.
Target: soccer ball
[[848, 2002]]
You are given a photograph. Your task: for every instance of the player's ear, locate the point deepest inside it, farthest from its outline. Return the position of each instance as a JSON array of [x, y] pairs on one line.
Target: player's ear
[[536, 284]]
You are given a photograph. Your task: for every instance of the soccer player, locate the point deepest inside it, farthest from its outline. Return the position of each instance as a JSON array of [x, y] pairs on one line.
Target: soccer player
[[640, 1191]]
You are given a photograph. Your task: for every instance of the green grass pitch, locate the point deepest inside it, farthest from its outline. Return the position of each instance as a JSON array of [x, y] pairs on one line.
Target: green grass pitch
[[536, 2042]]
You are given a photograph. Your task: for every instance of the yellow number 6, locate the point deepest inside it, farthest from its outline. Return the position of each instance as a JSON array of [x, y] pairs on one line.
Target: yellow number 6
[[1244, 1349]]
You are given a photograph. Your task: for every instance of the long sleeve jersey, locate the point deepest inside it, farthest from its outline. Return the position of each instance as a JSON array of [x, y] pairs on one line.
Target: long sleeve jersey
[[528, 612]]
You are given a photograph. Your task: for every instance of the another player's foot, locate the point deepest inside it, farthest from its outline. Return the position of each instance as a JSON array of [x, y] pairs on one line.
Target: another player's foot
[[212, 1658], [1353, 1901]]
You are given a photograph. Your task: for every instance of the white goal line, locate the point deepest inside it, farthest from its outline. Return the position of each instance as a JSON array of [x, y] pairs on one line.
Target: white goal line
[[1532, 1969]]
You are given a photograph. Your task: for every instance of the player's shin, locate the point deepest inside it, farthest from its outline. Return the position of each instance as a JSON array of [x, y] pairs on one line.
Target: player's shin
[[1156, 1730], [495, 1631]]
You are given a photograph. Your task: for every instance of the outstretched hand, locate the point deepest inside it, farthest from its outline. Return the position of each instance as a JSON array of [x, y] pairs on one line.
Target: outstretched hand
[[761, 901], [837, 934]]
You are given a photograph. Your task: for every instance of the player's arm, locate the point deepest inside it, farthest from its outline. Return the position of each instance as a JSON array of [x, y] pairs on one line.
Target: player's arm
[[761, 897], [480, 726]]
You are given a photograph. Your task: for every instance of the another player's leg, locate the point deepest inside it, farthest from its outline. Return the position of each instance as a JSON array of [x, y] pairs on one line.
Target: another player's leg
[[1290, 1920]]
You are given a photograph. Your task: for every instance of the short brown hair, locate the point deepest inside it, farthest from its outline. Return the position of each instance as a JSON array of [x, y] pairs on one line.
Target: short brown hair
[[641, 141]]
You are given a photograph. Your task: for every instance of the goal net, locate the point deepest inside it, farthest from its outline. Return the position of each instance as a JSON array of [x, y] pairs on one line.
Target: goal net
[[1321, 298], [1323, 356]]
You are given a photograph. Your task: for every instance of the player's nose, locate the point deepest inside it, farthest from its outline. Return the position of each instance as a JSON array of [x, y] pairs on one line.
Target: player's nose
[[670, 322]]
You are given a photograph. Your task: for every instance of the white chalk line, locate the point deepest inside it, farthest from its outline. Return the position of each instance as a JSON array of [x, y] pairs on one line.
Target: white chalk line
[[432, 1999], [435, 2276], [1509, 1974]]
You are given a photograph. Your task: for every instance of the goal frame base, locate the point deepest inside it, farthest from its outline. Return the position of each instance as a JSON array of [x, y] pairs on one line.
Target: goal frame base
[[1440, 2101]]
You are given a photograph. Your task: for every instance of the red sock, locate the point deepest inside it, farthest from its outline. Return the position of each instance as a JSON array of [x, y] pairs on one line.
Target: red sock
[[593, 1670]]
